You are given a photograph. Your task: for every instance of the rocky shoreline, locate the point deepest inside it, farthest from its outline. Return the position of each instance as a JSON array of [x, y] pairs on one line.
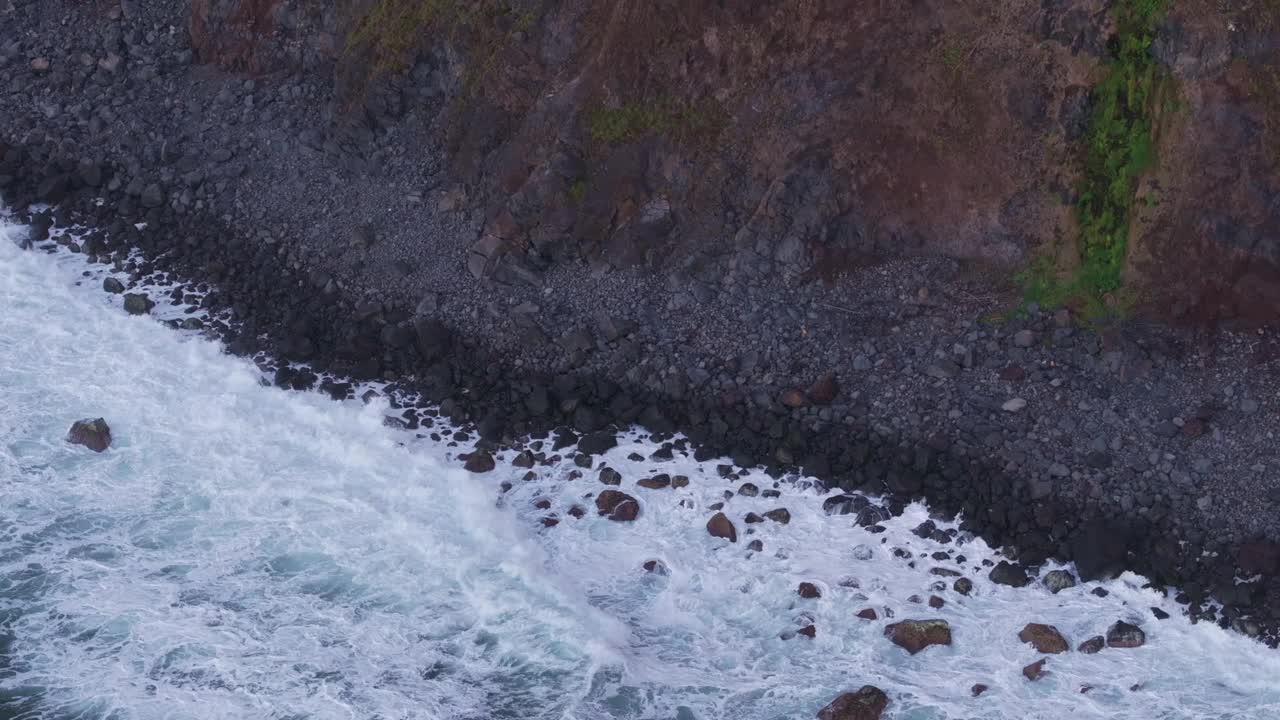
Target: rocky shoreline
[[1124, 447]]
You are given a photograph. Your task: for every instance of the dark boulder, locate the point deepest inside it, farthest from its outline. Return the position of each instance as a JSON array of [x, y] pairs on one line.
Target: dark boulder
[[1035, 670], [1259, 557], [617, 506], [809, 591], [1092, 645], [598, 443], [1006, 573], [112, 285], [479, 462], [137, 304], [1099, 550], [94, 434], [868, 703], [779, 515]]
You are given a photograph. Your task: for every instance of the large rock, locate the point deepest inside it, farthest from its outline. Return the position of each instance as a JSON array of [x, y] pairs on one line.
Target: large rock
[[94, 434], [617, 506], [720, 526], [866, 704], [916, 635], [1259, 557], [1059, 580], [479, 462], [598, 443], [137, 304], [1124, 635], [1044, 638]]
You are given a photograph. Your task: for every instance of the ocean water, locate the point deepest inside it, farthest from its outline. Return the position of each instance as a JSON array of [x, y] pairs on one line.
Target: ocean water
[[245, 552]]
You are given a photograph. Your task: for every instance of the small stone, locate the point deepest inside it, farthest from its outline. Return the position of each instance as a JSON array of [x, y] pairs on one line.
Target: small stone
[[1159, 614], [825, 390], [1035, 670], [868, 614], [779, 515], [808, 631], [1014, 405], [1124, 635], [609, 476], [1024, 338], [809, 591], [964, 586], [656, 567], [792, 398], [40, 64], [112, 285], [978, 689], [936, 602]]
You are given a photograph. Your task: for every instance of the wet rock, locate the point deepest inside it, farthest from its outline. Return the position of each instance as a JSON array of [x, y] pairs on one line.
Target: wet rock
[[1059, 580], [756, 545], [609, 476], [1035, 670], [748, 490], [1092, 645], [809, 631], [617, 506], [720, 526], [916, 635], [1159, 614], [936, 602], [779, 515], [1044, 638], [112, 285], [809, 591], [824, 390], [523, 460], [868, 703], [978, 689], [137, 304], [1124, 635], [94, 434], [479, 462], [868, 614], [598, 443], [964, 586], [792, 398], [657, 482], [1006, 573], [657, 567], [679, 481], [577, 511]]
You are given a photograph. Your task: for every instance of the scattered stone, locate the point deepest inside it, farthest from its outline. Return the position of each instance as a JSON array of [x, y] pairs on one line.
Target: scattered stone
[[1124, 635], [617, 506], [112, 285], [792, 398], [609, 476], [1035, 670], [825, 390], [657, 482], [748, 490], [1024, 338], [964, 586], [868, 703], [1014, 405], [479, 462], [808, 631], [1159, 614], [1059, 580], [978, 689], [916, 635], [94, 434], [868, 614], [756, 545], [936, 602], [679, 481], [523, 460], [809, 591], [1044, 638], [720, 526]]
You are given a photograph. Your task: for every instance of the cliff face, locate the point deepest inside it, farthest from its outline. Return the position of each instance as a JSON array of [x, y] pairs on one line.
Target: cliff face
[[803, 137]]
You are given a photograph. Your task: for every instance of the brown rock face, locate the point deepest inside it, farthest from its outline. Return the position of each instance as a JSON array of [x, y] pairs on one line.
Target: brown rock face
[[1035, 670], [1044, 638], [868, 703], [916, 635], [479, 462], [94, 434], [809, 591], [617, 506], [868, 614], [1092, 645], [720, 526]]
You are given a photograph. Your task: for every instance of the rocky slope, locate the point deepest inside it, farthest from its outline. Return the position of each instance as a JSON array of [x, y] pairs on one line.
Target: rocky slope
[[774, 229]]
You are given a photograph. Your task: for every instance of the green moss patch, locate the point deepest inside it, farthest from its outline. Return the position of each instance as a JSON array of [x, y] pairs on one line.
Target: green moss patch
[[664, 116]]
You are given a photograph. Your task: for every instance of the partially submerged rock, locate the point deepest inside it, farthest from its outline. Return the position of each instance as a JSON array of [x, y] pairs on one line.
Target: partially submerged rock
[[865, 704], [479, 462], [94, 434], [720, 526], [617, 506], [916, 635], [1044, 638], [1059, 580], [1035, 670], [1124, 635]]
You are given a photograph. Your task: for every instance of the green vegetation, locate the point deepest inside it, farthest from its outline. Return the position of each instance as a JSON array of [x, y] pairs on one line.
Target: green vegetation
[[577, 190], [392, 30], [675, 118], [1116, 150]]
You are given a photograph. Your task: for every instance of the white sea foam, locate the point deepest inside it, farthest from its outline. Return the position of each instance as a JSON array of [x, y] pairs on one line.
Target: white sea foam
[[242, 551]]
